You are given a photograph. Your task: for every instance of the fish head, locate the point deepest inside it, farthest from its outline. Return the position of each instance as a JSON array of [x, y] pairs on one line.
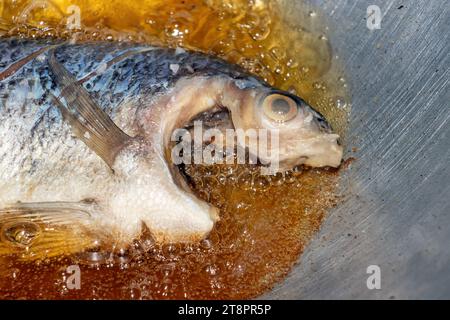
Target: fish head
[[277, 128], [289, 131]]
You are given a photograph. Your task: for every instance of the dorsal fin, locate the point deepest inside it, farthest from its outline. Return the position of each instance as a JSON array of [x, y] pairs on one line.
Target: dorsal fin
[[88, 121]]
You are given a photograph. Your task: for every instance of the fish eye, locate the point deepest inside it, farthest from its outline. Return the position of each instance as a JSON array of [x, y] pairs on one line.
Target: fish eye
[[279, 108]]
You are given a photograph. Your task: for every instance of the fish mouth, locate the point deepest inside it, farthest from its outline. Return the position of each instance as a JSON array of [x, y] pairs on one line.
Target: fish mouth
[[216, 118]]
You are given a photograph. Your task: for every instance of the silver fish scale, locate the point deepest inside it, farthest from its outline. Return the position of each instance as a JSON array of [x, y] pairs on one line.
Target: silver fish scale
[[35, 123], [147, 73]]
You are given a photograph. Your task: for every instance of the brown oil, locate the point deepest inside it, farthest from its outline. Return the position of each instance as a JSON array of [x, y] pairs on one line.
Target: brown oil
[[266, 222]]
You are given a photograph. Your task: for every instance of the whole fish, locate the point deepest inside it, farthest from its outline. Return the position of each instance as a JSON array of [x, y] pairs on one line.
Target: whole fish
[[86, 131]]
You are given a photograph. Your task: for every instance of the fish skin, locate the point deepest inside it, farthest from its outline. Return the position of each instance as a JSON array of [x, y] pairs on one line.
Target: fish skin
[[146, 74], [141, 75]]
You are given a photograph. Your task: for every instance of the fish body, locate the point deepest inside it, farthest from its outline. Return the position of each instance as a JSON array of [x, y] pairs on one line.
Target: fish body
[[61, 163]]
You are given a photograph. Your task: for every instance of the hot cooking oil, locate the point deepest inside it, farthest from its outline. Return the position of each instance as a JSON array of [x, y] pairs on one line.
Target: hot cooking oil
[[266, 221]]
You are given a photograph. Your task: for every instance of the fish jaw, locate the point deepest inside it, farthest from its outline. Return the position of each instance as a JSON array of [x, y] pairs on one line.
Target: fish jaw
[[321, 150]]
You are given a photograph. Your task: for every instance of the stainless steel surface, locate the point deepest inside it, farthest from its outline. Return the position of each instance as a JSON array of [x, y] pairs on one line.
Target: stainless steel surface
[[397, 215]]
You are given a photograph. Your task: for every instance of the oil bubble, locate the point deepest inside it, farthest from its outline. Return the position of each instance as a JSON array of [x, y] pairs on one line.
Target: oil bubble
[[340, 103], [21, 234], [259, 33]]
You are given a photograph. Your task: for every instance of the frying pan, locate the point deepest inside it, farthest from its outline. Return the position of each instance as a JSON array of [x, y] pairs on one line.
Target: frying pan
[[394, 221]]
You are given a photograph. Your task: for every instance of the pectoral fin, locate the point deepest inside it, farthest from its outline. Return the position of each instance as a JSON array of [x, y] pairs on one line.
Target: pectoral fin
[[89, 122], [35, 231]]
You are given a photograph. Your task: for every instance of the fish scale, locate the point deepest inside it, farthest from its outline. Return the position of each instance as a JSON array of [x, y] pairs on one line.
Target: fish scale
[[150, 72]]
